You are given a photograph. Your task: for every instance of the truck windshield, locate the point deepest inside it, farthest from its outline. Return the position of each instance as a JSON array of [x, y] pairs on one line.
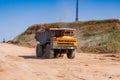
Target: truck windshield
[[67, 33]]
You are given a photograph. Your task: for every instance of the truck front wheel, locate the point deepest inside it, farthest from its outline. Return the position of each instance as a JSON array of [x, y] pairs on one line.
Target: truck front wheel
[[71, 54], [56, 55]]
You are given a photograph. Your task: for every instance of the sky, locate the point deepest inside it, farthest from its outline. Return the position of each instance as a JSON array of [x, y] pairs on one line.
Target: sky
[[17, 15]]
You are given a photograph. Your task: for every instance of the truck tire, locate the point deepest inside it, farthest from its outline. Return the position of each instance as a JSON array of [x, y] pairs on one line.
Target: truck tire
[[49, 53], [56, 55], [61, 55], [39, 50], [71, 54]]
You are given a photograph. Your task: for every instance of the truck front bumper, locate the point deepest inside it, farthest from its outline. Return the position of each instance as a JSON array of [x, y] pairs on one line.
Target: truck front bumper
[[64, 47]]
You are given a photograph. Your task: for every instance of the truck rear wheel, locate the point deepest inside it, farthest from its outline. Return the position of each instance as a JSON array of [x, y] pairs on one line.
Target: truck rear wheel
[[39, 50], [49, 53], [71, 54]]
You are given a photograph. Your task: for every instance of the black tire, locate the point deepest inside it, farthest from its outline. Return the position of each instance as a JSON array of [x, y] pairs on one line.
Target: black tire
[[39, 50], [49, 53], [71, 54], [56, 55], [61, 55]]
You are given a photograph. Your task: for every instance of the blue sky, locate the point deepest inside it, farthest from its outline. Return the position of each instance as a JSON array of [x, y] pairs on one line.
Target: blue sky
[[17, 15]]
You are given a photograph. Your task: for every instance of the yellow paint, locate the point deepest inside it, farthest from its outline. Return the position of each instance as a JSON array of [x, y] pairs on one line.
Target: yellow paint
[[66, 41]]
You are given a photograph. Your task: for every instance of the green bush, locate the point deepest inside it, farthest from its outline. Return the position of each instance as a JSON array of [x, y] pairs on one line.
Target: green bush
[[112, 44]]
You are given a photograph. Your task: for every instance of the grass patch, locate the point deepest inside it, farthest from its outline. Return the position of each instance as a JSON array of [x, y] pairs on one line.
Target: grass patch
[[103, 41], [112, 44]]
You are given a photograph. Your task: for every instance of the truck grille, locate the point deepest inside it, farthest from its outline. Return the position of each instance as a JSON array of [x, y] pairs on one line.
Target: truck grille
[[66, 42]]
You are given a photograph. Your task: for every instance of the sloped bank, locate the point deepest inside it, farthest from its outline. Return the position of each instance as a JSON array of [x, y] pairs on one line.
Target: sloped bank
[[101, 36]]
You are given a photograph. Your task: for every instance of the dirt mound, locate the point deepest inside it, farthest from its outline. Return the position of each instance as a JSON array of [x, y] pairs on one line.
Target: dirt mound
[[93, 36]]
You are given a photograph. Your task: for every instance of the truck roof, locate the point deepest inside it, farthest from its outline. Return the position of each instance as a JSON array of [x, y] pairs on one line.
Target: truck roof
[[72, 29]]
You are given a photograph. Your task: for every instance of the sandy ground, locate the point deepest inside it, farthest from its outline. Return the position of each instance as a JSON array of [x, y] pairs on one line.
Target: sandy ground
[[20, 63]]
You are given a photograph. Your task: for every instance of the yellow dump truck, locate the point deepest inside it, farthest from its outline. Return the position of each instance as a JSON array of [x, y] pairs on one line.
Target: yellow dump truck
[[55, 42]]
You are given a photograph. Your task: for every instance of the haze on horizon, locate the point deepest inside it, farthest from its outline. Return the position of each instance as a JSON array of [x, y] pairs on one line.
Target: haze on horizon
[[17, 15]]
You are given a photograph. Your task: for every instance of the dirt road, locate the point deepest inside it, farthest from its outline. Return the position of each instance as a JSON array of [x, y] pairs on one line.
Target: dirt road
[[20, 63]]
